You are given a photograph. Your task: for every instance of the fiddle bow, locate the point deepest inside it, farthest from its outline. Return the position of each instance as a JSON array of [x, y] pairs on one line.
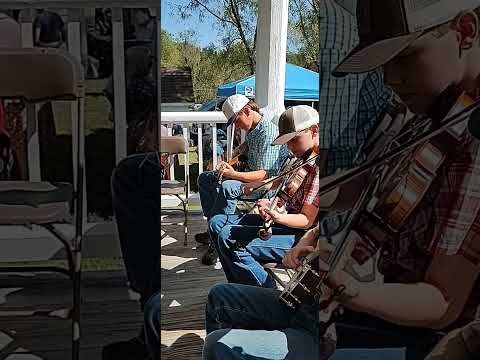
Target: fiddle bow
[[288, 188]]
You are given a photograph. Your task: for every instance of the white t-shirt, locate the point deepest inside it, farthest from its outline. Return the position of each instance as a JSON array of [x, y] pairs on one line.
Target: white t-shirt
[[10, 32]]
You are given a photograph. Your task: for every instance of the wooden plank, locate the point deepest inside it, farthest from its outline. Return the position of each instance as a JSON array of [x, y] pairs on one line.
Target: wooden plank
[[183, 326], [109, 314]]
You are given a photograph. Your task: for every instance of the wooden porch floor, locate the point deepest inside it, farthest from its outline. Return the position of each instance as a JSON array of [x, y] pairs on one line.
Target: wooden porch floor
[[185, 285], [110, 312]]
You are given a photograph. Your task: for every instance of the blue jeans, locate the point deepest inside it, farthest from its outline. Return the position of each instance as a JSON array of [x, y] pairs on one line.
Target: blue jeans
[[242, 252], [218, 198], [136, 203], [152, 326], [246, 322]]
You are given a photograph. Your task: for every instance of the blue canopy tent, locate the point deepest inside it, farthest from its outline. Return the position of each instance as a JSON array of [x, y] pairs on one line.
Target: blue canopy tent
[[300, 85]]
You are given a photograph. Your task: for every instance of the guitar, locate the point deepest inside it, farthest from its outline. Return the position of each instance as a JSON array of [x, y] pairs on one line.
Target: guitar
[[237, 160]]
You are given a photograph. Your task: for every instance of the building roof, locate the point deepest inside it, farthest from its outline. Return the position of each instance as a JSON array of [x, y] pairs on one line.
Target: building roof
[[177, 86]]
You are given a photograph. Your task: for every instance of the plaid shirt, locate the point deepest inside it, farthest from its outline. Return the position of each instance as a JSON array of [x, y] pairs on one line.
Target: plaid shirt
[[447, 221], [351, 106], [307, 194], [261, 153]]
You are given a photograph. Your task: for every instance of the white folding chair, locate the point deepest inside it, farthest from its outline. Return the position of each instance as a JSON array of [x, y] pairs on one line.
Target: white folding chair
[[174, 145], [36, 75]]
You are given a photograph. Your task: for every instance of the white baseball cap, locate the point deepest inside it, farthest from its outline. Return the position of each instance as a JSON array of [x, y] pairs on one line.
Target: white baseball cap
[[293, 121], [232, 106], [387, 27]]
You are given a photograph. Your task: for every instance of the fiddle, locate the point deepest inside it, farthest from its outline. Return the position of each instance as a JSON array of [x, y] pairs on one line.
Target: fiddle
[[383, 206], [287, 189], [410, 179]]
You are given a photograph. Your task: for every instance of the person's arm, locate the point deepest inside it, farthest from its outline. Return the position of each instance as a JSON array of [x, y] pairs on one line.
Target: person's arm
[[246, 177], [258, 186], [462, 344], [434, 303], [303, 220], [307, 215], [309, 242]]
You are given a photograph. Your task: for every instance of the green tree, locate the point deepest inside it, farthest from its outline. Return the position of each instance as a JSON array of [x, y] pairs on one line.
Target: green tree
[[210, 67], [236, 22], [170, 52]]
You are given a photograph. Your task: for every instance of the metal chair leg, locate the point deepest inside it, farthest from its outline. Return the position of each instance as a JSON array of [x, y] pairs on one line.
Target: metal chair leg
[[76, 310], [185, 223]]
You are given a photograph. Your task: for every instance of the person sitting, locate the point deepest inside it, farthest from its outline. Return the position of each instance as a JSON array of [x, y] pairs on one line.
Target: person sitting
[[235, 237], [152, 326], [136, 202], [263, 161], [430, 265]]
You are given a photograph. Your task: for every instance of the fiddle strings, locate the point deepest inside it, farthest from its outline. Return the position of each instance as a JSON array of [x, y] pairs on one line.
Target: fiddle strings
[[285, 165]]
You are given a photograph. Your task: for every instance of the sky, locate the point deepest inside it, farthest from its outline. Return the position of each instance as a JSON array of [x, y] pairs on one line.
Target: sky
[[172, 23]]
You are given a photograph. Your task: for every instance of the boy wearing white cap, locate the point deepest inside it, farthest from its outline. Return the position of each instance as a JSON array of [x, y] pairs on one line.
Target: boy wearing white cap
[[431, 264], [263, 160], [235, 237]]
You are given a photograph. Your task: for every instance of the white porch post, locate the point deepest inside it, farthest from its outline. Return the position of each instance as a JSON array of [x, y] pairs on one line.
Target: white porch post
[[272, 26], [158, 16]]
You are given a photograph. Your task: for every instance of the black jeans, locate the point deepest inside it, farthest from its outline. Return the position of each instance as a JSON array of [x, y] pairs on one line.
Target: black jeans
[[136, 203], [356, 330]]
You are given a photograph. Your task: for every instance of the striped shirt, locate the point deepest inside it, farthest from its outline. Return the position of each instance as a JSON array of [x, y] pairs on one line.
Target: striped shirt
[[261, 154]]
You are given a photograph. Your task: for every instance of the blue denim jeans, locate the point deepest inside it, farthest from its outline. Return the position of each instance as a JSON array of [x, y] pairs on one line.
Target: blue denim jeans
[[152, 326], [242, 252], [136, 203], [247, 322], [218, 198]]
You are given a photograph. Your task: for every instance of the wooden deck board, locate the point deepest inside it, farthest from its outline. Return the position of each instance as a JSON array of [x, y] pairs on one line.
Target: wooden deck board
[[109, 314], [183, 327], [109, 310]]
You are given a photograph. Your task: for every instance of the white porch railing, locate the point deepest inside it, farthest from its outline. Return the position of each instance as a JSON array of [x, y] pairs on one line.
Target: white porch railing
[[203, 120]]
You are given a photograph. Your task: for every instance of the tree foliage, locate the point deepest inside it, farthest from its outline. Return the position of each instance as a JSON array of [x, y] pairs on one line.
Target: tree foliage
[[236, 22], [210, 67]]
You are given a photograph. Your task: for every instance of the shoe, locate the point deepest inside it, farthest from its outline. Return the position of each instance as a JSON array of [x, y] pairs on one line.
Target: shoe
[[133, 349], [202, 238], [210, 257]]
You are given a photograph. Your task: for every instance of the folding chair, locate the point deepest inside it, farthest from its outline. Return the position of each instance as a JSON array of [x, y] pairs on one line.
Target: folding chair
[[36, 75], [174, 145]]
